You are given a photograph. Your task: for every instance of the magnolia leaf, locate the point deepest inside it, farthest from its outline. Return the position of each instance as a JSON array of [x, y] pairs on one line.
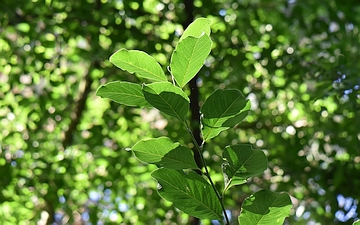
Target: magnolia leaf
[[188, 58], [138, 62], [189, 192], [164, 153], [167, 98], [241, 162], [265, 207], [126, 93], [197, 28], [221, 110]]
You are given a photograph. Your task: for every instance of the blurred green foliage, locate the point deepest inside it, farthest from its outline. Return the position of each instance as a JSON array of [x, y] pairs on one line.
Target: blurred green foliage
[[64, 151]]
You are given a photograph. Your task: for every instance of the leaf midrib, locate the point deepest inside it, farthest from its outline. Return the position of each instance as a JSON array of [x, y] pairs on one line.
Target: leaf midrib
[[141, 69], [192, 197]]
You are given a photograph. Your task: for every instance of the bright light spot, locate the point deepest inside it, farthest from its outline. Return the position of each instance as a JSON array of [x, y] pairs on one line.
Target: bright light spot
[[10, 116], [349, 26], [159, 187], [268, 27], [357, 159], [257, 55], [300, 210], [140, 206], [334, 27], [260, 143], [113, 216], [338, 118], [94, 196], [222, 12], [295, 113], [159, 7], [85, 216], [252, 140], [290, 50], [324, 114], [275, 53], [300, 123], [306, 215], [62, 199], [291, 104], [254, 101], [51, 109], [20, 127], [44, 218], [123, 207], [290, 130], [27, 48]]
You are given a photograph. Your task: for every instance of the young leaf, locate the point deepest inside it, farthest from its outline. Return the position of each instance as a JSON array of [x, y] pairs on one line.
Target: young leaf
[[197, 28], [164, 152], [167, 98], [357, 222], [189, 192], [265, 207], [126, 93], [189, 57], [241, 162], [221, 110], [138, 62]]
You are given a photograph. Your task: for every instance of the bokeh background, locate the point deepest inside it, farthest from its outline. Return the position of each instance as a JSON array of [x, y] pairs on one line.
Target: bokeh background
[[64, 153]]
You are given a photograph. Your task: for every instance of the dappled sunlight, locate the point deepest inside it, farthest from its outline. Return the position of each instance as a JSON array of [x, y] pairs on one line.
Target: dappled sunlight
[[66, 154]]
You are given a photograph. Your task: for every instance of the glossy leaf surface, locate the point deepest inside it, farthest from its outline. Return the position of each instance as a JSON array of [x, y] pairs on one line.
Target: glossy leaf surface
[[189, 192], [197, 28], [189, 57], [265, 207], [126, 93], [241, 163], [164, 152], [138, 62], [167, 98], [221, 110]]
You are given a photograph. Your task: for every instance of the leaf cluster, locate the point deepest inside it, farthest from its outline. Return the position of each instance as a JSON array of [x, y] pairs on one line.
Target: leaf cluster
[[180, 180]]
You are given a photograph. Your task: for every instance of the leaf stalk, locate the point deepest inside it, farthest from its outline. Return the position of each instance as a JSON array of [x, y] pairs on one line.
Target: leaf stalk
[[207, 174]]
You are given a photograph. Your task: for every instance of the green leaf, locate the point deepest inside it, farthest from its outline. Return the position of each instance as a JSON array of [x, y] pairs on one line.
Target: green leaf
[[357, 222], [221, 110], [126, 93], [164, 152], [167, 98], [265, 207], [241, 162], [197, 28], [188, 58], [189, 192], [138, 62]]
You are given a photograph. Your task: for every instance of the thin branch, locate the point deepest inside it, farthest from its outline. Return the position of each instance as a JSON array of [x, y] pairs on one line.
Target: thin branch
[[207, 174], [80, 108]]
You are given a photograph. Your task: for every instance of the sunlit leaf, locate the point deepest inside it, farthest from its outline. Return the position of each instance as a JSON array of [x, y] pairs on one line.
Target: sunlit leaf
[[126, 93], [189, 192], [138, 62], [164, 152], [241, 162], [265, 207], [189, 57], [24, 27], [197, 28], [357, 222], [167, 98], [221, 110]]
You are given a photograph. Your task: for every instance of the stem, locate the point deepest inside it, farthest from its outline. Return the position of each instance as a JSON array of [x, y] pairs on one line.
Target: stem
[[207, 174]]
